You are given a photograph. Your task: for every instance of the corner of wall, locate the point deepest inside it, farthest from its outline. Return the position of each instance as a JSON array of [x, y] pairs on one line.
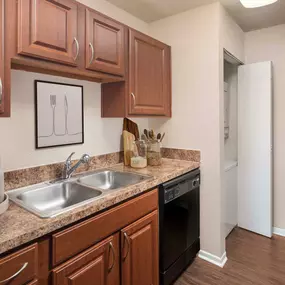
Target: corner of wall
[[232, 37]]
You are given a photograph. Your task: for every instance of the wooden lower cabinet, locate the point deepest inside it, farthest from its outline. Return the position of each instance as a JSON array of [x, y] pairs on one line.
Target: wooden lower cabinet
[[137, 258], [139, 248], [98, 265], [116, 247]]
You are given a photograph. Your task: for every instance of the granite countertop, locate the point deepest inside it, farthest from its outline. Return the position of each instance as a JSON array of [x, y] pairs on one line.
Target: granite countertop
[[18, 226]]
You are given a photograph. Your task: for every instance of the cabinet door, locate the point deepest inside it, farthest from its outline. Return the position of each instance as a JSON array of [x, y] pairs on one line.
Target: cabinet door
[[139, 243], [104, 44], [98, 265], [149, 71], [1, 56], [47, 29]]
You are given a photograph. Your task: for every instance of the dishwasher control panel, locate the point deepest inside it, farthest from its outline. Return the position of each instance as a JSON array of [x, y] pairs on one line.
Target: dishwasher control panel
[[181, 188]]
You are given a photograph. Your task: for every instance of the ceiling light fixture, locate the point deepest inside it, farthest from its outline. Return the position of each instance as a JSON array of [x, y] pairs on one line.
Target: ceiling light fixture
[[256, 3]]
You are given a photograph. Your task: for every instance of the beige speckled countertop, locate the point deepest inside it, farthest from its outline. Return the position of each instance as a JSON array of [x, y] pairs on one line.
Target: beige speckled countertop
[[18, 226]]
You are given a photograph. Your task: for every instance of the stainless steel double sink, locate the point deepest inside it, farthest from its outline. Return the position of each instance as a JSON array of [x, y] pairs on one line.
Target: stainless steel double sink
[[50, 199]]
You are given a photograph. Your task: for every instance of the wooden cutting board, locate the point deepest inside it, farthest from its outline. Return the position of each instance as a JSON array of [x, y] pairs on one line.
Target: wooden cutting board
[[128, 140], [131, 127]]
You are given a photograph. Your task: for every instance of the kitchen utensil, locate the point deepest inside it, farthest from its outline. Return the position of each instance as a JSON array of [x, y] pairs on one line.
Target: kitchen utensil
[[145, 131], [158, 136], [151, 134], [128, 139], [162, 137], [144, 138], [131, 127]]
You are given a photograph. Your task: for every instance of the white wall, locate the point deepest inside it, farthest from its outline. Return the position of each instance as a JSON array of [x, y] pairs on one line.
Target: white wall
[[197, 38], [269, 45], [17, 142], [195, 124], [232, 36], [17, 146]]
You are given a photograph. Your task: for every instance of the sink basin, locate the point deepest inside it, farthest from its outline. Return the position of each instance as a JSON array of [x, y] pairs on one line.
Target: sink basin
[[111, 180], [51, 200]]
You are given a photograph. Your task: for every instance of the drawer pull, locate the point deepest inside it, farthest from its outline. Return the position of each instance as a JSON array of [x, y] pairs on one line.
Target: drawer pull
[[134, 98], [16, 274], [92, 53], [114, 256], [128, 242], [77, 48]]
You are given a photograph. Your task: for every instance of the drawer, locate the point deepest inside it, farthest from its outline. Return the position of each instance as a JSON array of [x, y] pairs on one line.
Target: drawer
[[75, 239], [22, 264]]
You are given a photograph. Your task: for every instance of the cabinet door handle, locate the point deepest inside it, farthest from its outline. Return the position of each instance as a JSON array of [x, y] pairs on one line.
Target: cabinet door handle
[[92, 53], [111, 248], [128, 242], [1, 90], [77, 48], [134, 97], [15, 275]]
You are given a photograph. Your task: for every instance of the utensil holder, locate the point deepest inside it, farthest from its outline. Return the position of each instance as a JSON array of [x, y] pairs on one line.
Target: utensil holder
[[154, 153]]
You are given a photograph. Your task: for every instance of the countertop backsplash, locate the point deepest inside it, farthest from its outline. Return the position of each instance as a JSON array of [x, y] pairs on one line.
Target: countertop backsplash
[[28, 176]]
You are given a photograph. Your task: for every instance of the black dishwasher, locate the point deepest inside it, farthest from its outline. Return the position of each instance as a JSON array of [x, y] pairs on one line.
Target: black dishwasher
[[179, 225]]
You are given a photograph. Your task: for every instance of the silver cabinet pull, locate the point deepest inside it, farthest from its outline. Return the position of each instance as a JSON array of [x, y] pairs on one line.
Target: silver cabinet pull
[[1, 90], [92, 53], [111, 248], [134, 98], [15, 275], [128, 242], [77, 48]]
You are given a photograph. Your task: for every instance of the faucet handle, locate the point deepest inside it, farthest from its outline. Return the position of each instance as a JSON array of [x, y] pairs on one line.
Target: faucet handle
[[70, 156]]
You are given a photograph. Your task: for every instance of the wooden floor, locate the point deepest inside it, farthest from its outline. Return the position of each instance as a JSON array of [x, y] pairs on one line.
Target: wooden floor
[[252, 260]]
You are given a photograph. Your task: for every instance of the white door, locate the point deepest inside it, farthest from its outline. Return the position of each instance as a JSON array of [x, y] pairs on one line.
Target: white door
[[255, 148]]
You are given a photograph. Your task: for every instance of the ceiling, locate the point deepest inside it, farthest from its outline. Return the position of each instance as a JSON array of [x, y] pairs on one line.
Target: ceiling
[[248, 19]]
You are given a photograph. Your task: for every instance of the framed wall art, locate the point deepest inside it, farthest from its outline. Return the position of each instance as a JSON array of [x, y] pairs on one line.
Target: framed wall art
[[59, 114]]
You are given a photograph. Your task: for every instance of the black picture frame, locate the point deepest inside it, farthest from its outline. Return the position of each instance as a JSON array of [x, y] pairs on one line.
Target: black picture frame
[[36, 82]]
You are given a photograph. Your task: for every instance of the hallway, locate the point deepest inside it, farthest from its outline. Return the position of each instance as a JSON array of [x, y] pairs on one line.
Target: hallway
[[252, 260]]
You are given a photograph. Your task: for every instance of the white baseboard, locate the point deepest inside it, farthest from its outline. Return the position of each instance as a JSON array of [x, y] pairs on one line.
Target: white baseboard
[[279, 232], [219, 261]]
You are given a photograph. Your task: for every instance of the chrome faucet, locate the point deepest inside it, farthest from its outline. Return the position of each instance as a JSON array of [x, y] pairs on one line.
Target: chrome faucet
[[68, 169]]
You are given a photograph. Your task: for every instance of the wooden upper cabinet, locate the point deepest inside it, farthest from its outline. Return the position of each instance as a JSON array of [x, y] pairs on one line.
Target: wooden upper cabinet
[[139, 250], [47, 29], [98, 265], [104, 44], [149, 71], [1, 56]]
